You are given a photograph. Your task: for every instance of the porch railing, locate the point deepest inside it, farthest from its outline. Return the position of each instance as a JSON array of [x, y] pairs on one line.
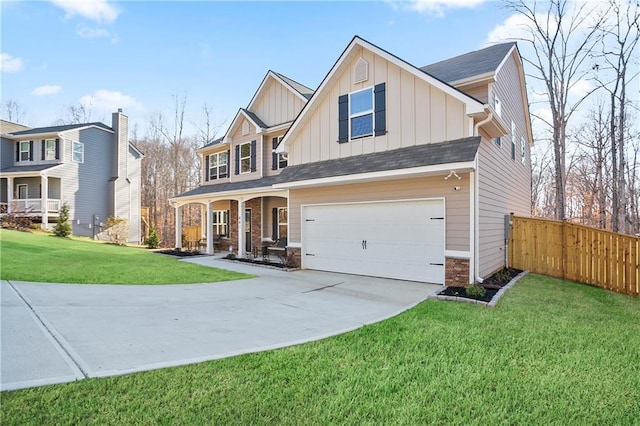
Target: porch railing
[[31, 205]]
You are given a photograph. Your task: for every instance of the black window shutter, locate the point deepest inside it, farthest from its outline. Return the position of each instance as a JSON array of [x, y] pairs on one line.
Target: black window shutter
[[237, 159], [17, 151], [380, 109], [274, 223], [228, 171], [206, 168], [43, 145], [57, 149], [30, 150], [253, 156], [274, 155], [343, 118]]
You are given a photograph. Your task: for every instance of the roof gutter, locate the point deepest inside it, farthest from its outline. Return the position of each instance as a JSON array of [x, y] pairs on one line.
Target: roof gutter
[[475, 202]]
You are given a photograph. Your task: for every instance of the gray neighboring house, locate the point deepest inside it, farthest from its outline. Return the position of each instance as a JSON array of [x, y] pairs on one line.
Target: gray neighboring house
[[90, 166]]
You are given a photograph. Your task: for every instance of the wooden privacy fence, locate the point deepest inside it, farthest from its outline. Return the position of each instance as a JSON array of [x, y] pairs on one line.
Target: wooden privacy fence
[[576, 252], [191, 235]]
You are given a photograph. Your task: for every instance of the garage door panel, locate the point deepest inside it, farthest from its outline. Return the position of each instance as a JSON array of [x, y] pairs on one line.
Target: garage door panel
[[400, 239]]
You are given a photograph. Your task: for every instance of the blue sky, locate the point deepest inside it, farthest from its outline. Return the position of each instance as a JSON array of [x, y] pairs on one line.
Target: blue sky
[[137, 55]]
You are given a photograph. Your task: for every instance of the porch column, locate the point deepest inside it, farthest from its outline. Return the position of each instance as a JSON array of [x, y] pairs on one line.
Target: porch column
[[203, 217], [209, 224], [178, 226], [9, 193], [241, 207], [44, 200]]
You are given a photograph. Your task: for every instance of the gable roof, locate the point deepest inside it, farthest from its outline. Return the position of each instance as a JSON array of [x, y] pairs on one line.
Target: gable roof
[[63, 128], [301, 91], [472, 64], [473, 106], [213, 143]]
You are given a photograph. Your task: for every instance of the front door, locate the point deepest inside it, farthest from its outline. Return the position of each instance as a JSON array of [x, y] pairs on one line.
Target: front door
[[247, 230], [23, 192]]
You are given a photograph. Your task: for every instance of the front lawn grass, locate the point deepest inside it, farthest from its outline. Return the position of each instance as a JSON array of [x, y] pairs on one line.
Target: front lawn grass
[[45, 258], [551, 352]]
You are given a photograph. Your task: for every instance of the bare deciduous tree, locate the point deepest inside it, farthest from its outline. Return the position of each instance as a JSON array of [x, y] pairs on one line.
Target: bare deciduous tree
[[562, 38]]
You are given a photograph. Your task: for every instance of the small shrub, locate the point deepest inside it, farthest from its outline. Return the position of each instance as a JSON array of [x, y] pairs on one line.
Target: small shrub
[[117, 230], [230, 256], [153, 240], [63, 227], [17, 221], [476, 291]]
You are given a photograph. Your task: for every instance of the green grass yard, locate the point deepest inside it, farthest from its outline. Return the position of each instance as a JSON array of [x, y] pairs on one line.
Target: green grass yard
[[45, 258], [551, 352]]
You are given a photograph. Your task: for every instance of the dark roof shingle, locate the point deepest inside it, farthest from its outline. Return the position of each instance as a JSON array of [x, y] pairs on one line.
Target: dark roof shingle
[[29, 168], [469, 64], [460, 150], [56, 129]]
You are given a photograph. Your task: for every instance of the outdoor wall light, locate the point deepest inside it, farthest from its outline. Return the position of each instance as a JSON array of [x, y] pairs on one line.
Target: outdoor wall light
[[456, 188]]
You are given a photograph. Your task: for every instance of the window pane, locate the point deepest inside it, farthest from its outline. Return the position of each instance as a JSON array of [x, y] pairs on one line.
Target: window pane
[[245, 150], [222, 171], [213, 160], [282, 216], [223, 158], [362, 126], [245, 165], [361, 101]]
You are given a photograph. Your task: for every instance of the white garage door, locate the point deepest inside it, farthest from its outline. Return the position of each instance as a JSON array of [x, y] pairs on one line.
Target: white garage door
[[399, 239]]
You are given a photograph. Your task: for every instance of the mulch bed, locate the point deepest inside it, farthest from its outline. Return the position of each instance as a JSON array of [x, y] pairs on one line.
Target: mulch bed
[[180, 253], [492, 285]]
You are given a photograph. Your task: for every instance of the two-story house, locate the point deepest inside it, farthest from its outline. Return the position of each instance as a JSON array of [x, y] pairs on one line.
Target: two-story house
[[397, 171], [91, 167]]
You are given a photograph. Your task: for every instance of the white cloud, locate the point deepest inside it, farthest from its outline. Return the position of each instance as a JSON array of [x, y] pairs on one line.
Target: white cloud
[[581, 88], [109, 101], [46, 90], [96, 10], [434, 7], [87, 32], [10, 64], [514, 28]]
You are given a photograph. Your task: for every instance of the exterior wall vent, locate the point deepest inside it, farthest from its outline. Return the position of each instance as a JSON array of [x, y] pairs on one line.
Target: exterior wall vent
[[361, 71]]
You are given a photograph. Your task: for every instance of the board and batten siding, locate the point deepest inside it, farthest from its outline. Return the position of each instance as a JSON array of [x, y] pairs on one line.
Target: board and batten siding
[[238, 138], [94, 195], [416, 113], [267, 151], [268, 205], [456, 202], [277, 104], [504, 183]]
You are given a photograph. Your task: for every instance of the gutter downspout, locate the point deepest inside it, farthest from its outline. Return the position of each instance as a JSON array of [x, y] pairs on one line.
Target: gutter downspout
[[476, 203]]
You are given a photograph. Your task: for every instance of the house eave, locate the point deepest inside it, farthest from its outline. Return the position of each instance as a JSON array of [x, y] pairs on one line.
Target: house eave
[[244, 194], [438, 169]]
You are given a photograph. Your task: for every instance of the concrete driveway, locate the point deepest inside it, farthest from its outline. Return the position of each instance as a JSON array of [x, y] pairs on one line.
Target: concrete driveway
[[54, 333]]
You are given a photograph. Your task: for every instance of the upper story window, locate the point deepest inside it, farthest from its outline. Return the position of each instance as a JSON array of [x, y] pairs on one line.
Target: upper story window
[[78, 152], [513, 140], [523, 150], [362, 113], [497, 105], [50, 150], [25, 151], [245, 157], [278, 160], [218, 165]]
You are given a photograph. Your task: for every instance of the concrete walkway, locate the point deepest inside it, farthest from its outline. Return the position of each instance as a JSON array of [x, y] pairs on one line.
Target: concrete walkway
[[55, 333]]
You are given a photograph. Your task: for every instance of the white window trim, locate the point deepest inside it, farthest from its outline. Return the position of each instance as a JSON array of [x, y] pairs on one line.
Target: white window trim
[[281, 156], [523, 149], [244, 158], [513, 140], [47, 150], [73, 151], [218, 165], [22, 151], [22, 185], [363, 113], [282, 223], [220, 221]]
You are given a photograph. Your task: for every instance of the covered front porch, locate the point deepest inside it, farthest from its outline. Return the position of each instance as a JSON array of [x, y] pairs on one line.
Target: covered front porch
[[32, 194], [249, 225]]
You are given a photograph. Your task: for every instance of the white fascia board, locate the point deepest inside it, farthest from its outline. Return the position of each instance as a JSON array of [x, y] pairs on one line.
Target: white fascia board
[[487, 78], [376, 176], [472, 105], [245, 194], [234, 122], [29, 174], [504, 60], [49, 135], [264, 83]]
